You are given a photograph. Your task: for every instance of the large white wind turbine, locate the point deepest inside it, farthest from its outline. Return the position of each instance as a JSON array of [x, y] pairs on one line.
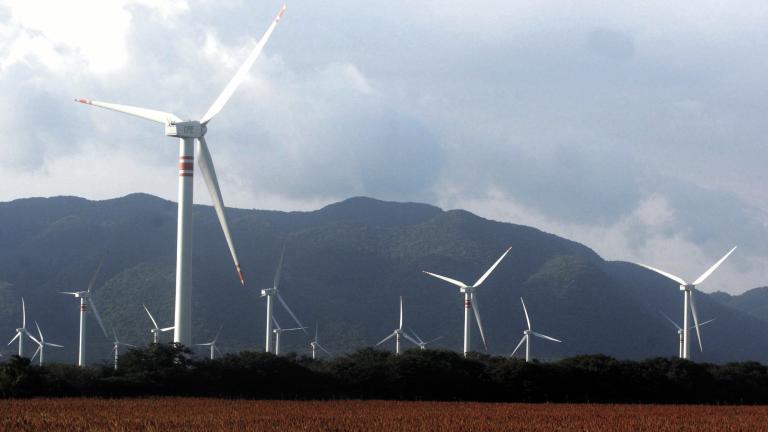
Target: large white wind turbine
[[116, 347], [398, 333], [527, 336], [22, 331], [269, 293], [41, 344], [85, 301], [421, 343], [688, 301], [279, 330], [315, 344], [189, 133], [680, 332], [155, 330], [470, 301], [212, 343]]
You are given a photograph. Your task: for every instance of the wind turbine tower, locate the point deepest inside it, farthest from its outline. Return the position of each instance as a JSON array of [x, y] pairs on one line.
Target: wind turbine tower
[[190, 133]]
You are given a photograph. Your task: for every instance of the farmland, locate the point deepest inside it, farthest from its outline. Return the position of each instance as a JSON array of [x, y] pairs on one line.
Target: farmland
[[199, 414]]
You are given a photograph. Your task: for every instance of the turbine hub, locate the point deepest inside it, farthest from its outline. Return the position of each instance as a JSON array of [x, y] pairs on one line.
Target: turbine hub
[[526, 332], [268, 291], [188, 129]]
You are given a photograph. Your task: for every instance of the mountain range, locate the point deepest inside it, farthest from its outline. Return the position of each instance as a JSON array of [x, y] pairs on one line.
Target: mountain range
[[345, 267]]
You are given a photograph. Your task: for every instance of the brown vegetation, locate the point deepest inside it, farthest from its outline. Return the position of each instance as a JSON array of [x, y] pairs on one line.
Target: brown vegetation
[[189, 414]]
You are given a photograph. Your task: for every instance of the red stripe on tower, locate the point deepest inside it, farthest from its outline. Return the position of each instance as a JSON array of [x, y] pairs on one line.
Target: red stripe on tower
[[467, 304], [82, 307]]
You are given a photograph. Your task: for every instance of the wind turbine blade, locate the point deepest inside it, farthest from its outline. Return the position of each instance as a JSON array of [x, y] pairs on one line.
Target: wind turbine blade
[[677, 279], [546, 337], [215, 338], [315, 331], [39, 332], [157, 116], [37, 351], [386, 338], [279, 268], [706, 322], [220, 101], [23, 314], [670, 320], [416, 335], [447, 279], [29, 335], [205, 344], [324, 350], [95, 275], [526, 313], [696, 320], [68, 293], [54, 345], [151, 317], [15, 337], [167, 328], [209, 175], [274, 321], [98, 317], [401, 313], [285, 305], [490, 270], [713, 268], [518, 346], [217, 349], [433, 340], [293, 329], [115, 334], [410, 339], [476, 310]]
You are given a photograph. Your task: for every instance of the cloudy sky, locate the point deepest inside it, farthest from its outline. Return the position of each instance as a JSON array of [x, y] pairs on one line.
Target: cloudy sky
[[637, 128]]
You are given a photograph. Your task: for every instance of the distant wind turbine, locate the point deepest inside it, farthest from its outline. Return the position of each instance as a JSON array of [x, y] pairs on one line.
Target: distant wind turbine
[[680, 332], [279, 330], [269, 293], [212, 343], [527, 336], [85, 301], [189, 133], [155, 330], [41, 344], [22, 331], [470, 301], [315, 344], [398, 333], [421, 343], [116, 347], [688, 303]]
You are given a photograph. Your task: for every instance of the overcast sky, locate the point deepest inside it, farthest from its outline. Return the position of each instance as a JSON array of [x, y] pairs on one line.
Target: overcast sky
[[637, 128]]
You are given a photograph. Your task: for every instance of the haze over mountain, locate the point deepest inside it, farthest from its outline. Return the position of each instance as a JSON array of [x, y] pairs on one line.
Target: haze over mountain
[[345, 266]]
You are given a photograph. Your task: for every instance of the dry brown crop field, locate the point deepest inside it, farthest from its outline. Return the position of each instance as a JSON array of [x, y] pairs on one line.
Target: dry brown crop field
[[190, 414]]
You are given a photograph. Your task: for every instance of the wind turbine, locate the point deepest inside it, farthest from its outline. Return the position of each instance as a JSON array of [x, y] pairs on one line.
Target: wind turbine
[[22, 331], [420, 342], [188, 133], [85, 301], [315, 344], [279, 330], [527, 336], [116, 347], [680, 332], [156, 329], [471, 306], [212, 343], [398, 332], [269, 293], [688, 290], [41, 344]]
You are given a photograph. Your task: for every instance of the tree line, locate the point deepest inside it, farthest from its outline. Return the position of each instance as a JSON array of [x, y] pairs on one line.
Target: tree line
[[171, 370]]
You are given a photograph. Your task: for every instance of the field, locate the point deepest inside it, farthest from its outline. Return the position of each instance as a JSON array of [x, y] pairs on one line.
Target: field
[[168, 414]]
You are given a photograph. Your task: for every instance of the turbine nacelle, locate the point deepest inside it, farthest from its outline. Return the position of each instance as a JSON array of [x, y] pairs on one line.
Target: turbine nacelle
[[187, 129], [268, 291], [467, 289], [688, 287]]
